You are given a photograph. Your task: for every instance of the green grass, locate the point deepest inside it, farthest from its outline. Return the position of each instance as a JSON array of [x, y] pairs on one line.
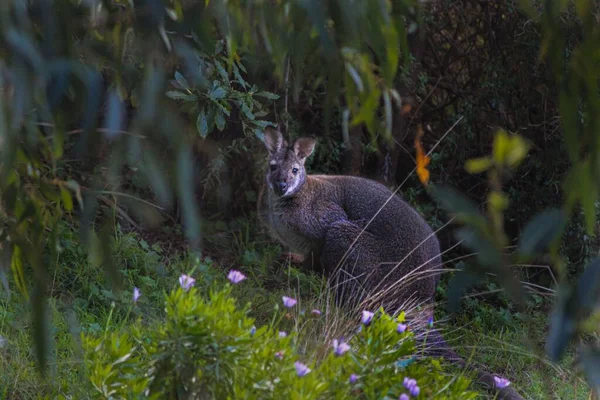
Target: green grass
[[494, 336], [82, 301]]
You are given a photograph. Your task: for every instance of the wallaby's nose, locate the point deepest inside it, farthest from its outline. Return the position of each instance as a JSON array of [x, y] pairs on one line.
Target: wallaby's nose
[[282, 186]]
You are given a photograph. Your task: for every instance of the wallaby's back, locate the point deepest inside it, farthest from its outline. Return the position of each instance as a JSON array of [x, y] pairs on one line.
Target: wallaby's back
[[391, 253]]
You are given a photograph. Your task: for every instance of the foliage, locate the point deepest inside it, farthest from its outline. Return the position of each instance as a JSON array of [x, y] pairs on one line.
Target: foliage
[[95, 90], [109, 64], [211, 103], [210, 347]]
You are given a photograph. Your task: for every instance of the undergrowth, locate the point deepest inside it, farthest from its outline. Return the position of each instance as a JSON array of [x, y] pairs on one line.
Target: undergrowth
[[82, 303]]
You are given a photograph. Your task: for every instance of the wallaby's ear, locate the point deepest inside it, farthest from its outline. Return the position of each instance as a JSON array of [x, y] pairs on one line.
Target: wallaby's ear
[[273, 139], [304, 146]]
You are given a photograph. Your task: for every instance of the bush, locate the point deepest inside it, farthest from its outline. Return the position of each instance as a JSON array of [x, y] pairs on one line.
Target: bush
[[209, 348]]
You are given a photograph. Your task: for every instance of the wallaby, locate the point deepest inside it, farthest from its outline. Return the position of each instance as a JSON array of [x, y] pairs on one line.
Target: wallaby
[[375, 249]]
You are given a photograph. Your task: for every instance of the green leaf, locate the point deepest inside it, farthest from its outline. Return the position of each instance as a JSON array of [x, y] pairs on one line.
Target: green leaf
[[316, 13], [478, 165], [224, 108], [571, 307], [202, 124], [66, 199], [94, 94], [246, 110], [181, 80], [487, 254], [541, 231], [388, 112], [238, 76], [115, 116], [268, 95], [562, 327], [462, 280], [175, 95], [509, 150], [23, 47], [590, 358], [456, 204], [355, 77], [40, 325], [74, 186], [157, 178], [218, 93], [588, 288], [185, 185], [579, 185], [392, 46], [518, 150], [219, 120], [263, 124], [222, 72]]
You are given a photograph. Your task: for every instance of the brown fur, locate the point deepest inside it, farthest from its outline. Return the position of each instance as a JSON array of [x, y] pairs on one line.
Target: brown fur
[[355, 231]]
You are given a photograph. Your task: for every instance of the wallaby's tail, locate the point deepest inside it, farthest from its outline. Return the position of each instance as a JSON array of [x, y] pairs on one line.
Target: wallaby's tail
[[434, 345]]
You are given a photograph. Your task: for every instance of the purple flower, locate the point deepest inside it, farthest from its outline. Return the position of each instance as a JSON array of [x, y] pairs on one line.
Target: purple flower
[[136, 294], [367, 316], [501, 383], [301, 369], [235, 276], [316, 312], [252, 331], [279, 355], [289, 302], [414, 391], [430, 322], [186, 282], [282, 334], [401, 328], [353, 378], [339, 348], [409, 383], [403, 396]]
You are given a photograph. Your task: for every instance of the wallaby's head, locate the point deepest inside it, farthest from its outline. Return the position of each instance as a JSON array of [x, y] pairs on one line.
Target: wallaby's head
[[286, 173]]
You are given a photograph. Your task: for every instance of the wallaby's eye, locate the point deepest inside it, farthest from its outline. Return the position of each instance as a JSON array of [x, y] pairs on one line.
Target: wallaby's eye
[[294, 171], [273, 167]]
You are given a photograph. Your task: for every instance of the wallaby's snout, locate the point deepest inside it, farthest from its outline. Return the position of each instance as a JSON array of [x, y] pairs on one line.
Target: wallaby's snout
[[281, 187]]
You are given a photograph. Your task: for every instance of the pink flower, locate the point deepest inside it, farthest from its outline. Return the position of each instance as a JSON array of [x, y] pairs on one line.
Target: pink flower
[[367, 316], [136, 294], [501, 383], [186, 282], [235, 276], [289, 302], [414, 391], [316, 312], [282, 334], [401, 328], [341, 347], [409, 383], [301, 369]]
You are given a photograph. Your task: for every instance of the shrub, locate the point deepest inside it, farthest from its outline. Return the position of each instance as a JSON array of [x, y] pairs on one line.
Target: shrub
[[207, 347]]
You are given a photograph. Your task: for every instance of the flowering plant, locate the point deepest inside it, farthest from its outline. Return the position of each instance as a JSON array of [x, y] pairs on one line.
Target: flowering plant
[[208, 345]]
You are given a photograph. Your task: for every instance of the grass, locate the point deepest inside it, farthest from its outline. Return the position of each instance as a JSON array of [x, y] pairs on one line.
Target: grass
[[492, 335], [82, 301]]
